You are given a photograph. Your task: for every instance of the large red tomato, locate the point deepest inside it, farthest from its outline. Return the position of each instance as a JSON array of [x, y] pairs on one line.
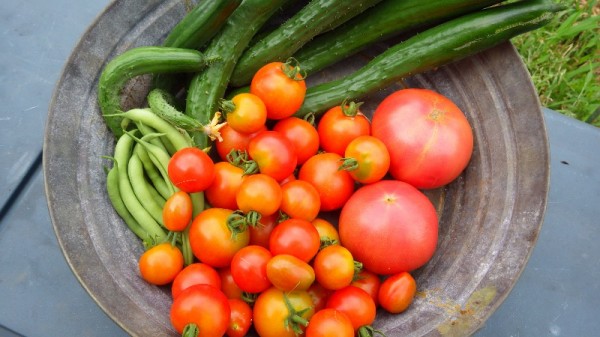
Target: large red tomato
[[389, 226], [429, 138]]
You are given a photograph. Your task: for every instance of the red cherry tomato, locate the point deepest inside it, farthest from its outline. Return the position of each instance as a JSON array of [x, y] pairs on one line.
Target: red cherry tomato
[[160, 264], [259, 193], [287, 272], [211, 240], [334, 186], [319, 295], [241, 318], [281, 87], [223, 190], [300, 200], [334, 267], [274, 154], [202, 305], [429, 138], [273, 317], [259, 235], [369, 282], [302, 134], [340, 125], [228, 285], [403, 238], [233, 140], [355, 303], [295, 237], [249, 268], [366, 159], [195, 273], [191, 170], [397, 292], [245, 112], [177, 211], [330, 323]]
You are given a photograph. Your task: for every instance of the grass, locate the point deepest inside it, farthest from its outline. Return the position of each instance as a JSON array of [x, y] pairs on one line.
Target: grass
[[564, 60]]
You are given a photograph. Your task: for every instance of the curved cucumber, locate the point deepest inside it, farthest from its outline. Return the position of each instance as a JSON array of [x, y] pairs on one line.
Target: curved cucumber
[[135, 62], [383, 21], [316, 17], [445, 43]]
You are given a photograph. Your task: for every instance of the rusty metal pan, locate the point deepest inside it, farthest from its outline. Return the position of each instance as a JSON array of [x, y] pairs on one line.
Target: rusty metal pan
[[490, 216]]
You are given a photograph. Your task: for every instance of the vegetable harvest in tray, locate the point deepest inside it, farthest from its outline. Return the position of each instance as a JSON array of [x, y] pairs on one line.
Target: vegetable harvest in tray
[[271, 207]]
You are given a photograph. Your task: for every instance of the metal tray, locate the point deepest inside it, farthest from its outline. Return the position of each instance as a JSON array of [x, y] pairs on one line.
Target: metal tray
[[490, 216]]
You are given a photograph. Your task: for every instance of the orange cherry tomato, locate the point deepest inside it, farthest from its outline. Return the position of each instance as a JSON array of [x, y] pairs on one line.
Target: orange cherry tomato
[[160, 264], [287, 273], [397, 292], [334, 267], [260, 193], [300, 200], [245, 112], [327, 231], [272, 314], [340, 125], [330, 323], [177, 211], [366, 159]]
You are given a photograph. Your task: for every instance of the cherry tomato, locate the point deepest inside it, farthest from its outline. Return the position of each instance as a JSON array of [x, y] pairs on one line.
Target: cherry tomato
[[397, 292], [233, 140], [366, 159], [295, 237], [273, 317], [202, 305], [259, 193], [177, 211], [274, 154], [287, 273], [300, 200], [334, 186], [330, 323], [191, 170], [160, 264], [211, 239], [195, 273], [221, 193], [249, 268], [228, 285], [334, 267], [403, 238], [340, 125], [319, 295], [302, 134], [259, 235], [241, 318], [369, 282], [355, 303], [245, 113], [429, 138], [280, 87], [327, 231]]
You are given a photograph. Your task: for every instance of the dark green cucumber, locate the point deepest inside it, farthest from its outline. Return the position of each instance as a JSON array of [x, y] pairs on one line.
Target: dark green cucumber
[[135, 62], [385, 20], [445, 43], [208, 87], [199, 25], [316, 17]]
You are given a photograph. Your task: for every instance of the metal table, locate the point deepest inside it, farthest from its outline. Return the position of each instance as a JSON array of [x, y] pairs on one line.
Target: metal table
[[556, 295]]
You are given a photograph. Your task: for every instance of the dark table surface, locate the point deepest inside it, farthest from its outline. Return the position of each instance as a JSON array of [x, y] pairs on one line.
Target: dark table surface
[[558, 293]]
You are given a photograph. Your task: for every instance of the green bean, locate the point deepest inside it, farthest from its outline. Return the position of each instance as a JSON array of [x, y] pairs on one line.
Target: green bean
[[159, 140], [135, 170], [112, 187], [123, 150], [147, 117], [153, 174]]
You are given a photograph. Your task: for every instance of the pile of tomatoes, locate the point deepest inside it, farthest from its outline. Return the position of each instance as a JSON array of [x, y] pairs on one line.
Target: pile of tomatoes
[[312, 225]]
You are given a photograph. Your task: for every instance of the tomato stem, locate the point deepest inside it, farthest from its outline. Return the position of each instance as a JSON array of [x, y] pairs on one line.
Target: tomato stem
[[227, 105], [350, 109], [348, 164], [190, 330], [294, 319], [368, 331], [291, 68], [358, 267]]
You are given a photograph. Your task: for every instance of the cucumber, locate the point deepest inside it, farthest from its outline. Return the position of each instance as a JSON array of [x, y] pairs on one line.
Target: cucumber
[[199, 25], [385, 20], [442, 44], [135, 62], [316, 17], [208, 87]]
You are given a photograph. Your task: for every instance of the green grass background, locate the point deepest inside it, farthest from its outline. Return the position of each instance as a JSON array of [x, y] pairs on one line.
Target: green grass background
[[563, 59]]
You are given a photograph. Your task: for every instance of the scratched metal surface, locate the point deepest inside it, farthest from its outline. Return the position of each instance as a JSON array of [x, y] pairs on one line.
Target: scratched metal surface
[[490, 217]]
